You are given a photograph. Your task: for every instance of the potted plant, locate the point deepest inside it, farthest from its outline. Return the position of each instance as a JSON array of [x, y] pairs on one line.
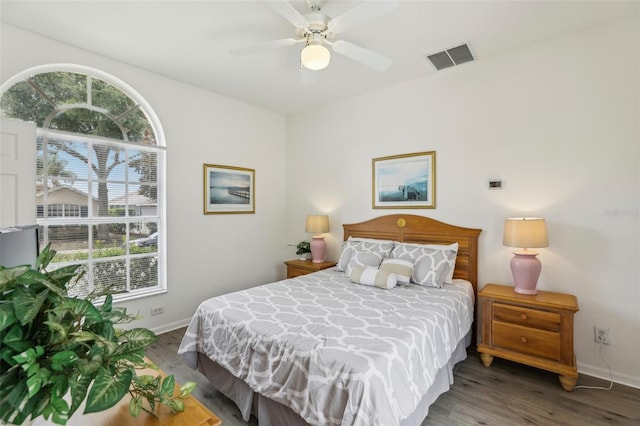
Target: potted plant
[[57, 351], [303, 249]]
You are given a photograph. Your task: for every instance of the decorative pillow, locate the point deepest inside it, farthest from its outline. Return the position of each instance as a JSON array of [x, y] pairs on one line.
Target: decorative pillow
[[433, 267], [362, 244], [364, 258], [402, 268], [373, 277], [414, 252]]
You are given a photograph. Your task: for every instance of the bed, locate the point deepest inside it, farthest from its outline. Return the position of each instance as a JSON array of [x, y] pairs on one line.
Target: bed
[[320, 349]]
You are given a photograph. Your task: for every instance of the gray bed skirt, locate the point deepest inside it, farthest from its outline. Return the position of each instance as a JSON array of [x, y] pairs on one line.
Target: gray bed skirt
[[271, 413]]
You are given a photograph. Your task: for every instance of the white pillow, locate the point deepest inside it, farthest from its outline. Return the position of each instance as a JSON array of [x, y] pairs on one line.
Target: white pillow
[[373, 277], [402, 268], [414, 252], [362, 244]]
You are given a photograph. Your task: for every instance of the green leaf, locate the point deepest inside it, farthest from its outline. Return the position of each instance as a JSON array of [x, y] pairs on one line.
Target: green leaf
[[56, 327], [135, 405], [89, 367], [60, 385], [25, 357], [8, 379], [15, 339], [79, 385], [18, 395], [176, 405], [84, 336], [27, 303], [7, 315], [34, 383], [187, 388], [8, 275], [6, 355], [45, 257], [62, 276], [107, 390], [60, 411], [40, 404], [168, 384], [135, 339], [107, 306], [64, 359], [81, 308], [145, 379]]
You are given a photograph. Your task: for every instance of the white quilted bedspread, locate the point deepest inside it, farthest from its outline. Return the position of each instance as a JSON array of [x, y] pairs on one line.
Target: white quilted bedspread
[[337, 353]]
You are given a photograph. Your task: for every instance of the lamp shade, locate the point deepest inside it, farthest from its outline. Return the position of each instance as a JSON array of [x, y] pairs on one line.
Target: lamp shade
[[525, 232], [317, 224], [315, 57]]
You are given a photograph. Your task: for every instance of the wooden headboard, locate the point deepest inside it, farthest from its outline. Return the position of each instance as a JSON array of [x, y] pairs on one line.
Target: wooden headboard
[[410, 228]]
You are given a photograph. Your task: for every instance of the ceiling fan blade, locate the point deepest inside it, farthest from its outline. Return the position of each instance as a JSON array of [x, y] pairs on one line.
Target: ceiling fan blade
[[362, 55], [288, 12], [363, 12], [266, 45]]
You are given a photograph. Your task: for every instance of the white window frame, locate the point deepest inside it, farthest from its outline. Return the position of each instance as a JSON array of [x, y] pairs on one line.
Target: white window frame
[[159, 149]]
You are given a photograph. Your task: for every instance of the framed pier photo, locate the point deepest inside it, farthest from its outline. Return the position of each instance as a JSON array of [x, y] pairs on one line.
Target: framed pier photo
[[229, 189], [405, 181]]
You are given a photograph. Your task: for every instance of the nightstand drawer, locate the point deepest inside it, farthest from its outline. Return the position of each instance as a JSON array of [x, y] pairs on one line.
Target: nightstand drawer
[[526, 317], [298, 267], [526, 340], [293, 272]]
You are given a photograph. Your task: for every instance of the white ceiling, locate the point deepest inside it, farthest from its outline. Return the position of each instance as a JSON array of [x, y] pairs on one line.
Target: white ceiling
[[189, 40]]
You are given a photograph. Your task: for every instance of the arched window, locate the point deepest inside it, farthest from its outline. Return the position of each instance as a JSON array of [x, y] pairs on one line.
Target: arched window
[[100, 176]]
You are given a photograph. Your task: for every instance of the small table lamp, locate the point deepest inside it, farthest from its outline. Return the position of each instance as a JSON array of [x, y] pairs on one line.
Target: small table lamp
[[317, 225], [526, 233]]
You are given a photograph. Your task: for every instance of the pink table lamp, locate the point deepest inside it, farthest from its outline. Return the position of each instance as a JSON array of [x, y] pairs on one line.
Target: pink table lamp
[[317, 224], [526, 233]]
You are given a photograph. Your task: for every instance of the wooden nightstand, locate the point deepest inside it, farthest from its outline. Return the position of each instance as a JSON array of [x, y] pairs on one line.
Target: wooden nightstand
[[299, 267], [535, 330]]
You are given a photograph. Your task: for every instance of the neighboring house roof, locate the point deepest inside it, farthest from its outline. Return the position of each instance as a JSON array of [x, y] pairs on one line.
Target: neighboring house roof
[[63, 188], [134, 199]]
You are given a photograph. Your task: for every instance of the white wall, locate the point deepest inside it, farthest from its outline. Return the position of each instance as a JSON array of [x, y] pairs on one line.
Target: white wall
[[558, 123], [207, 255]]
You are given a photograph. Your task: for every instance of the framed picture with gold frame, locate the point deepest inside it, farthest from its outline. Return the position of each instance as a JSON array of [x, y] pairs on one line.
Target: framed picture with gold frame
[[406, 181], [228, 189]]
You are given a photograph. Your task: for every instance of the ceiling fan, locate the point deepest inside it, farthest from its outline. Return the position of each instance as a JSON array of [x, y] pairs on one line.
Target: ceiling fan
[[317, 30]]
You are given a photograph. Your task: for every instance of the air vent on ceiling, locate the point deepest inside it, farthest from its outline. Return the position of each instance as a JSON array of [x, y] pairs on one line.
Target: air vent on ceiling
[[450, 57]]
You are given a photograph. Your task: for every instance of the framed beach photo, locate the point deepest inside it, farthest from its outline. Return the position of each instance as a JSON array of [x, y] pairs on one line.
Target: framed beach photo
[[405, 181], [229, 189]]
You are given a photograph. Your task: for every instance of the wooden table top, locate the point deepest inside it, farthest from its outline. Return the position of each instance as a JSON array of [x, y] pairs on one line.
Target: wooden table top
[[194, 414]]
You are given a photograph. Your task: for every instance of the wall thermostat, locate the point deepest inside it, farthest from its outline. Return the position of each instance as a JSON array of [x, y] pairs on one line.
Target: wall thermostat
[[495, 184]]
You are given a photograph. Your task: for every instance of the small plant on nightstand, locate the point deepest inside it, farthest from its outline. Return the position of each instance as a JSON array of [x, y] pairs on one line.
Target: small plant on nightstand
[[303, 249]]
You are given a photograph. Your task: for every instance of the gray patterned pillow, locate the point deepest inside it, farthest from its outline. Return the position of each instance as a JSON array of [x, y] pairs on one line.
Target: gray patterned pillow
[[364, 259], [352, 245], [432, 268], [415, 252]]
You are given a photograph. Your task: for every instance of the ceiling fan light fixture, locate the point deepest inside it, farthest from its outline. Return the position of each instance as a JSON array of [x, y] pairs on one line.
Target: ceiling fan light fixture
[[315, 56]]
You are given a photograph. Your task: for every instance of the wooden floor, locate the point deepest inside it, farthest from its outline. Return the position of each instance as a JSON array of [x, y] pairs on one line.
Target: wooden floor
[[504, 394]]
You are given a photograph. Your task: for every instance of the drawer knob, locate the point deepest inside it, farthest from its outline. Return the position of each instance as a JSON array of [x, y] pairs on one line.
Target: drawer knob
[[524, 339], [523, 316]]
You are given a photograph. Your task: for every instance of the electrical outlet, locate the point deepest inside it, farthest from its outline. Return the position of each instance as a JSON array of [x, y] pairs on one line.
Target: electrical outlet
[[601, 335], [157, 310]]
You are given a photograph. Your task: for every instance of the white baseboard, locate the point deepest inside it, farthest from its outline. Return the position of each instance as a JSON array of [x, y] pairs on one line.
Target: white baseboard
[[603, 373], [165, 328]]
